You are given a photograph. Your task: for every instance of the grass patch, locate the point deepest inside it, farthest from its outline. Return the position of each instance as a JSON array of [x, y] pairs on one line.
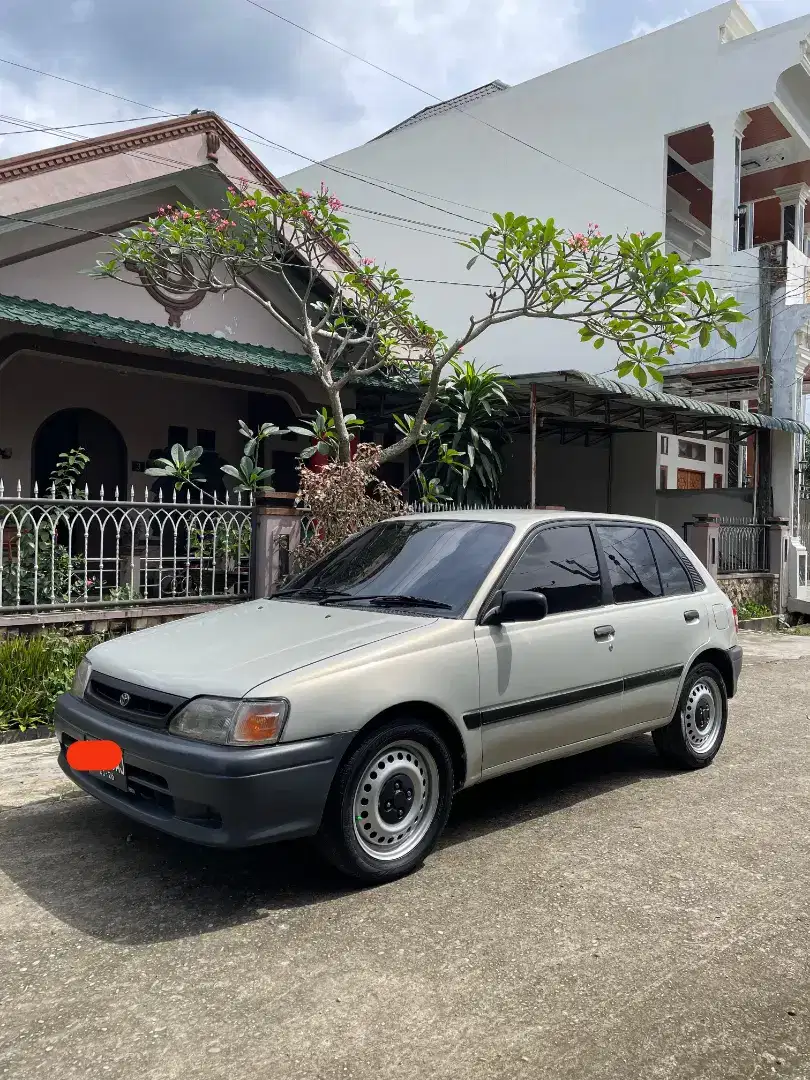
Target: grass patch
[[34, 671]]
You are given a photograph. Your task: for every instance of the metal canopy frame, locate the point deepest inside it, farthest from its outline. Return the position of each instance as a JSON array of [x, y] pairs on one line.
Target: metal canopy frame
[[573, 405]]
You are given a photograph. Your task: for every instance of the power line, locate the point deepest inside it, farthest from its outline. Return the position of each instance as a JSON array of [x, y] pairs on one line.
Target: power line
[[335, 169], [84, 86], [73, 127], [439, 230], [478, 119]]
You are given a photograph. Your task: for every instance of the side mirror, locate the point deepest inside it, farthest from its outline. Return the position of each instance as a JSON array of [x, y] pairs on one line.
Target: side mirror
[[515, 606]]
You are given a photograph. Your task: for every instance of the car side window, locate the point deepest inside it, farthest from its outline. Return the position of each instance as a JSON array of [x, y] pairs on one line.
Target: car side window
[[632, 569], [674, 577], [561, 563]]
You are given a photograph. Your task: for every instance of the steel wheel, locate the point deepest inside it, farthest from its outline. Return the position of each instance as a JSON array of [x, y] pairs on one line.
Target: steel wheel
[[395, 800], [702, 715]]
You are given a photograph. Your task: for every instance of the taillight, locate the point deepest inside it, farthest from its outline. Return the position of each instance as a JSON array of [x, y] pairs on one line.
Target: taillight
[[736, 620]]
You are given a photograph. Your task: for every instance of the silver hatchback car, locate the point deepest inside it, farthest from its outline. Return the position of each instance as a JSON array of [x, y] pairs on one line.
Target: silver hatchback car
[[426, 654]]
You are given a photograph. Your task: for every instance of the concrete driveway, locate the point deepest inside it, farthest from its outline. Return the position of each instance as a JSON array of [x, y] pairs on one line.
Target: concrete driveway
[[600, 917]]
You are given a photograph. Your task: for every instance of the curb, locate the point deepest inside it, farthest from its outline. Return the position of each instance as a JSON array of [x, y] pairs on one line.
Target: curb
[[38, 731]]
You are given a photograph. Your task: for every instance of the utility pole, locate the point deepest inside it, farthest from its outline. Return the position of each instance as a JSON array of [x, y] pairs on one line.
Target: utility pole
[[770, 258]]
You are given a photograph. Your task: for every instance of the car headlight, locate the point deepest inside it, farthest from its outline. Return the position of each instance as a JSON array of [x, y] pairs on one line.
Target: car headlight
[[81, 678], [227, 720]]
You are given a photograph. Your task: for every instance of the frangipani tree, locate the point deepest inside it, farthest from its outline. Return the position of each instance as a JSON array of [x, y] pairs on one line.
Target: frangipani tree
[[354, 317]]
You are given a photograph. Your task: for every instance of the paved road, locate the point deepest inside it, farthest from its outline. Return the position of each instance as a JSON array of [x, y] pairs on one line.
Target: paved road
[[597, 918]]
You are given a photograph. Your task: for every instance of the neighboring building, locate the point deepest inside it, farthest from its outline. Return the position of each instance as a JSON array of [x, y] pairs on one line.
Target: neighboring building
[[691, 464], [700, 130], [124, 371]]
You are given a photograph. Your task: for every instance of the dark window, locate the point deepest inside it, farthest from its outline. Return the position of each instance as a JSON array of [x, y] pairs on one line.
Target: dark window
[[561, 563], [674, 577], [662, 477], [664, 444], [206, 438], [718, 455], [693, 450], [633, 574], [178, 435], [440, 561], [718, 480]]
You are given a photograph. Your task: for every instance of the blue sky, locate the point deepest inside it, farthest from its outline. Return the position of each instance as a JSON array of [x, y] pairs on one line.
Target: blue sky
[[227, 55]]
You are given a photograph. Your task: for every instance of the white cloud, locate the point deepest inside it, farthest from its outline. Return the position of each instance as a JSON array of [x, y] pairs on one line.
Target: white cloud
[[258, 71]]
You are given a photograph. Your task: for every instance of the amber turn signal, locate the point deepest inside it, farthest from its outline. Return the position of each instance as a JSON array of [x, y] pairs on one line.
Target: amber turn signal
[[259, 722]]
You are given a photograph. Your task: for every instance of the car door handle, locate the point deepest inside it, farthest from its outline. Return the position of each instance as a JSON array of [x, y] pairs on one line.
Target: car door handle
[[602, 633], [692, 615]]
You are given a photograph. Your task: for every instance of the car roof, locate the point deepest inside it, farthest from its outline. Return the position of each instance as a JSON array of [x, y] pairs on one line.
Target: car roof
[[524, 518]]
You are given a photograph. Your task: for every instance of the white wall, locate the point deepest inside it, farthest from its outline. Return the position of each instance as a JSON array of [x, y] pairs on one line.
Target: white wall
[[607, 115]]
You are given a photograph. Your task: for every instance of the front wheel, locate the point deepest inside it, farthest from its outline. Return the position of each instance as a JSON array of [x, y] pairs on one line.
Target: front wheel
[[695, 734], [389, 803]]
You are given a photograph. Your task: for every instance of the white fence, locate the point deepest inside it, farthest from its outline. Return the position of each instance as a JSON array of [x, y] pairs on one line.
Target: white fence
[[75, 551]]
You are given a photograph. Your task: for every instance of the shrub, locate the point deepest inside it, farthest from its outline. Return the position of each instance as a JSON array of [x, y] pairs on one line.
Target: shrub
[[33, 672], [341, 499], [749, 609]]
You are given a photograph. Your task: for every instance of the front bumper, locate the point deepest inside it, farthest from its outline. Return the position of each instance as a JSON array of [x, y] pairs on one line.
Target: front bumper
[[221, 796], [735, 655]]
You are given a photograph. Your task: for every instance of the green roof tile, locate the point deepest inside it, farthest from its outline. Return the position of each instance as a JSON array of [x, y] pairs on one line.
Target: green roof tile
[[69, 320]]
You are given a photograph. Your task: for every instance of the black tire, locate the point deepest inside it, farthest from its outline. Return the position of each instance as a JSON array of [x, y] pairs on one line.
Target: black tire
[[693, 737], [417, 759]]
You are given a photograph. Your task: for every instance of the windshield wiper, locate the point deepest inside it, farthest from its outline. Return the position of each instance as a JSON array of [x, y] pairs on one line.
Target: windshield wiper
[[386, 600]]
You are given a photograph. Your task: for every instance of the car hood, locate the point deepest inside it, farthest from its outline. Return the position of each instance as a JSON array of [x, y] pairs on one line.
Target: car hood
[[228, 652]]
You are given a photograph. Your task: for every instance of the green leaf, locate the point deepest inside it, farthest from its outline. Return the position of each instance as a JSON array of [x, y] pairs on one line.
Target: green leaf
[[705, 336], [600, 341]]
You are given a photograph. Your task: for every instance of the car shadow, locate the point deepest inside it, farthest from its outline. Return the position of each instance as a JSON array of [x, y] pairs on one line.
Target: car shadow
[[119, 881]]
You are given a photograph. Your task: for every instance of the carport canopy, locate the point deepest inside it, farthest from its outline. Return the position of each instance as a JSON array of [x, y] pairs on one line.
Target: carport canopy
[[578, 405]]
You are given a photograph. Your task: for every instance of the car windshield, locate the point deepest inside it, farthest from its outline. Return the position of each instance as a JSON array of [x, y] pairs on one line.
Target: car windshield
[[415, 564]]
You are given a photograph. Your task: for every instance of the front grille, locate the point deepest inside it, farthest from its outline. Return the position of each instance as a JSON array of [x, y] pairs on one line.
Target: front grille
[[136, 704]]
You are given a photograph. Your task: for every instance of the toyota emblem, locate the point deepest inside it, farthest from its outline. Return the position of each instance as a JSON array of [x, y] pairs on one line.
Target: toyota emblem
[[123, 701]]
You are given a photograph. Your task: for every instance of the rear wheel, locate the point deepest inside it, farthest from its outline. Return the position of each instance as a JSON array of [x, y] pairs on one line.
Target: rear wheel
[[389, 803], [695, 734]]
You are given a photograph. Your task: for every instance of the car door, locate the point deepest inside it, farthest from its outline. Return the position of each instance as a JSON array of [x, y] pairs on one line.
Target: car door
[[659, 620], [556, 681]]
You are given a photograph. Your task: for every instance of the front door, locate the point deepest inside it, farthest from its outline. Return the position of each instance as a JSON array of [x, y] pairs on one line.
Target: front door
[[558, 681], [660, 622], [691, 480]]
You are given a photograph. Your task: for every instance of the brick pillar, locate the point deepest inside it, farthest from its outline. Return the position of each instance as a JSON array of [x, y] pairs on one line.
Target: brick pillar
[[703, 537], [275, 534]]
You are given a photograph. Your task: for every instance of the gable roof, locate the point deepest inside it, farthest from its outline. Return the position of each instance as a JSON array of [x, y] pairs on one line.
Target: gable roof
[[217, 134], [458, 102]]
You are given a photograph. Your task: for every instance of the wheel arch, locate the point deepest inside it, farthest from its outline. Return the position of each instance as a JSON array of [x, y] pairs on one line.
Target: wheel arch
[[428, 713], [722, 661]]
